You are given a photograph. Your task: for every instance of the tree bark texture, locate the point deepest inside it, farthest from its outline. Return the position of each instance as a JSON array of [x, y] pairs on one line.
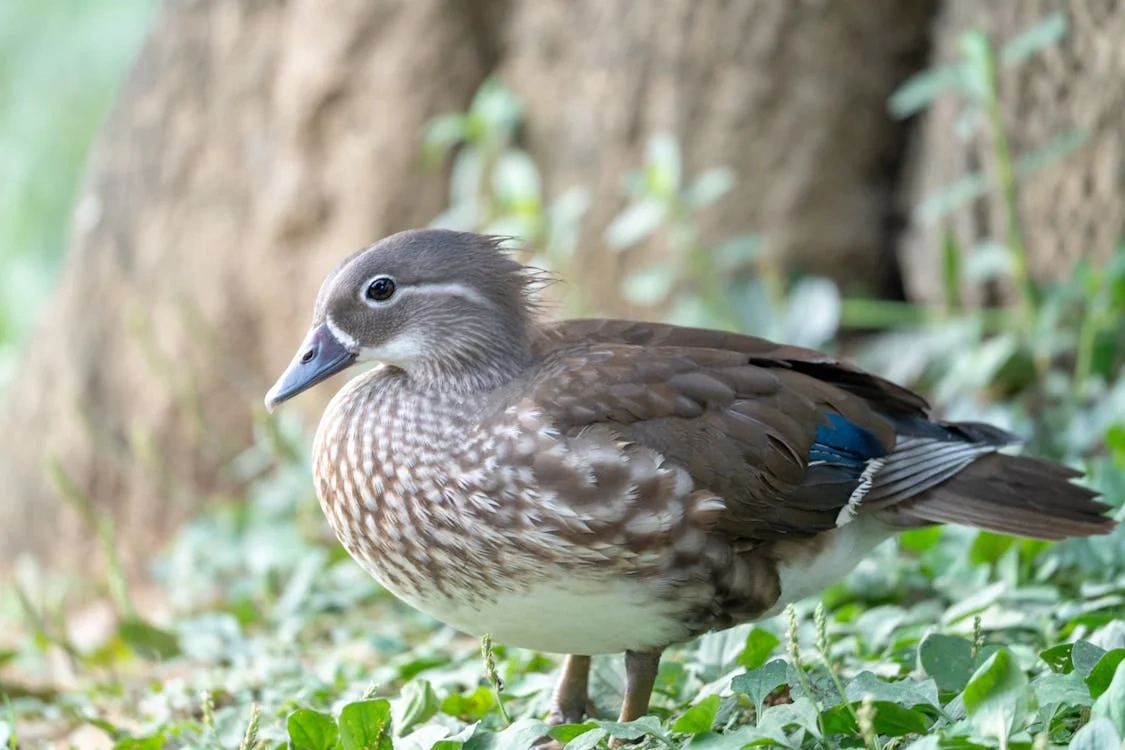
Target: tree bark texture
[[258, 142], [1075, 207]]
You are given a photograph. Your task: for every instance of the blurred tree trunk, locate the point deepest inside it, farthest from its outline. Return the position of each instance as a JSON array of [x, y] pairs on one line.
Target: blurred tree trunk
[[1074, 207], [259, 141]]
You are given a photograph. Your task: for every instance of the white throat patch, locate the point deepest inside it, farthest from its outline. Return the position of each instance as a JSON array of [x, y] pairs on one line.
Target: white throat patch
[[340, 334]]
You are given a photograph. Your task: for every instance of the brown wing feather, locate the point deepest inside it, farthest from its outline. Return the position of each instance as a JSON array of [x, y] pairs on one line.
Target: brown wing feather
[[887, 395], [740, 422]]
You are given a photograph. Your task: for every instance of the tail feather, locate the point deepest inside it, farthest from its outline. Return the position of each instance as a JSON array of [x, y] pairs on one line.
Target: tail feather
[[1011, 495]]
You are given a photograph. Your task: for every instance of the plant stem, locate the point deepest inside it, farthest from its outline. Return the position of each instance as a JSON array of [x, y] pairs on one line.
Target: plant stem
[[1006, 179]]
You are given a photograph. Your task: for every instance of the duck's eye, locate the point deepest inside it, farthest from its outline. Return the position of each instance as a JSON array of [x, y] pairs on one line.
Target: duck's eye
[[380, 289]]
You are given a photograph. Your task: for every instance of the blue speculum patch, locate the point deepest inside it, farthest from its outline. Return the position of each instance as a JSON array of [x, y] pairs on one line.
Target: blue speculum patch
[[843, 442]]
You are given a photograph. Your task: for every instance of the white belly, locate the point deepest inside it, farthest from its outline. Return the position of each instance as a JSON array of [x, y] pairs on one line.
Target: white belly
[[602, 617], [607, 616]]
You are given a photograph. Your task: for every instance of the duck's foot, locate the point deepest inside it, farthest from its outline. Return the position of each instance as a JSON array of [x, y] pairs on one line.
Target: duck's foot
[[640, 676], [571, 702]]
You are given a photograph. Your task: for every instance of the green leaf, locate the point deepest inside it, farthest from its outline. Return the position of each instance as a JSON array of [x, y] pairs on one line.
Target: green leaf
[[945, 200], [1085, 656], [919, 90], [1115, 438], [948, 659], [801, 712], [416, 704], [1099, 734], [515, 179], [1030, 162], [699, 718], [1058, 658], [564, 733], [759, 645], [634, 223], [1102, 673], [996, 696], [663, 169], [903, 692], [988, 261], [978, 53], [366, 725], [498, 109], [587, 740], [813, 312], [646, 726], [1047, 31], [737, 252], [311, 730], [1110, 704], [735, 740], [459, 740], [147, 640], [759, 683], [472, 705], [710, 186], [649, 286], [441, 134], [951, 269], [920, 540], [895, 720], [519, 735], [1064, 689], [568, 734]]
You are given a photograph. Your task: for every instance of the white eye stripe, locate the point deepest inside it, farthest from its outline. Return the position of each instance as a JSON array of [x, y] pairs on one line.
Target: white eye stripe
[[455, 290], [451, 289]]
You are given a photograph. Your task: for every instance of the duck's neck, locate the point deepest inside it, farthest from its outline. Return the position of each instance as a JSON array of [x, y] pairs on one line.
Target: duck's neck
[[475, 360]]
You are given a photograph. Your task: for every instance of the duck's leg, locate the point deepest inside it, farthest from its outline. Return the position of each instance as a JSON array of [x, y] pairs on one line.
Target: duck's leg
[[568, 705], [640, 676]]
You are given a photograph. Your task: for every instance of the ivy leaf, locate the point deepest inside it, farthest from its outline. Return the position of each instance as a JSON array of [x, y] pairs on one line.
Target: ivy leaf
[[996, 696], [1103, 671], [1085, 656], [895, 720], [1058, 658], [519, 735], [948, 659], [759, 645], [417, 703], [366, 725], [473, 705], [311, 730], [568, 734], [646, 726], [759, 683], [903, 692], [801, 712], [1099, 734], [1065, 689], [699, 718], [735, 740], [649, 286], [564, 733], [147, 640], [588, 740], [635, 223], [1110, 705]]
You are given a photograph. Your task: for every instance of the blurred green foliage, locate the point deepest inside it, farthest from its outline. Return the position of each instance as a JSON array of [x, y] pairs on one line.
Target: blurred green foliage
[[949, 638], [60, 63]]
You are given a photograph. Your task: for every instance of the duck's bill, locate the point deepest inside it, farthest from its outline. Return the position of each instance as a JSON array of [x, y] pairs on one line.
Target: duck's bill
[[321, 356]]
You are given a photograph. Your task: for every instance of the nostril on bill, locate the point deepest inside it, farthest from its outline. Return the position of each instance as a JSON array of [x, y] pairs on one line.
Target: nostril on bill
[[308, 356]]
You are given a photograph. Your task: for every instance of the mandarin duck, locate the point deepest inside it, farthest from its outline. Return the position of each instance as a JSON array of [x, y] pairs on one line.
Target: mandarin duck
[[603, 486]]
